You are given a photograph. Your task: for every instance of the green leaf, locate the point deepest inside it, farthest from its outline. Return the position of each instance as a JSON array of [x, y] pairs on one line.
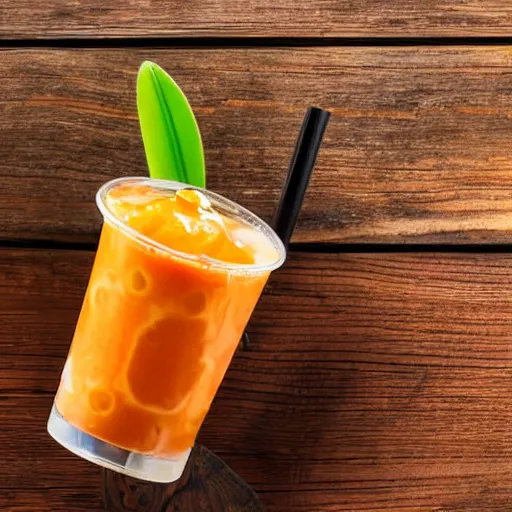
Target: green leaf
[[172, 140]]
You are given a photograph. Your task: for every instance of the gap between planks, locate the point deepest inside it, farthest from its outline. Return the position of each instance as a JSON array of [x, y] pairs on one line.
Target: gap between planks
[[250, 42], [318, 248]]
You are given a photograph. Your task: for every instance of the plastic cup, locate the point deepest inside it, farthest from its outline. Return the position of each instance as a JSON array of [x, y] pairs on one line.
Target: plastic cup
[[156, 333]]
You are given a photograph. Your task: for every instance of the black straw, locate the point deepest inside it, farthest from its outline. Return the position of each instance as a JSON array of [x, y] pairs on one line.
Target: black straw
[[299, 173]]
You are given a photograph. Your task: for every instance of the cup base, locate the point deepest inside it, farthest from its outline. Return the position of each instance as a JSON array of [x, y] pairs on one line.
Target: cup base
[[136, 465]]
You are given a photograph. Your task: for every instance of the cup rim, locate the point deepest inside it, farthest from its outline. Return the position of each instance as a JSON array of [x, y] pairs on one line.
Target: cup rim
[[234, 208]]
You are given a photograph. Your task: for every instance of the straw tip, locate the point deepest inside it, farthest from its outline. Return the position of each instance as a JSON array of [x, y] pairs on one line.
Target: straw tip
[[319, 111]]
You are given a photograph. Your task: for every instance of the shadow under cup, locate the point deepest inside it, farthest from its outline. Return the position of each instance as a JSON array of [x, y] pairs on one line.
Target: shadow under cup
[[156, 333]]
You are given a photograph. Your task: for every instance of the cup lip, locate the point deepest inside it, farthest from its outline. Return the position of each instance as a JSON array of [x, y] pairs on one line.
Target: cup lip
[[198, 259]]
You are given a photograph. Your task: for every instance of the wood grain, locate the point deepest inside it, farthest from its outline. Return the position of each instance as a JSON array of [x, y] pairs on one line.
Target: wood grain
[[264, 18], [207, 484], [371, 382], [419, 147]]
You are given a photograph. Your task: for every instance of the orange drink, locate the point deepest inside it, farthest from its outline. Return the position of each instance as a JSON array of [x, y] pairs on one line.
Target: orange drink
[[177, 274]]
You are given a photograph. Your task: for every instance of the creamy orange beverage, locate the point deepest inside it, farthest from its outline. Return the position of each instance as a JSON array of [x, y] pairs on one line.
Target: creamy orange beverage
[[176, 277]]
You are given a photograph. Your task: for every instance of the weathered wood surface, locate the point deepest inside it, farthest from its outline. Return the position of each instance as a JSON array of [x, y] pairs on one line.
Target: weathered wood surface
[[207, 485], [262, 18], [371, 383], [419, 148]]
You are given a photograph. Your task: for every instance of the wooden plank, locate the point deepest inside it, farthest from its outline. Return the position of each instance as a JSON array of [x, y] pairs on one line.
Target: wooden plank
[[229, 18], [372, 382], [418, 149]]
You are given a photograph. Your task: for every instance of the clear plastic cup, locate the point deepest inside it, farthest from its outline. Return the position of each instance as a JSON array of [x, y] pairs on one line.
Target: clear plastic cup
[[156, 333]]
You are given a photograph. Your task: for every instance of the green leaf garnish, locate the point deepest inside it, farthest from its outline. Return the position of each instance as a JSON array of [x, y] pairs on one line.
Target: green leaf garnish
[[171, 136]]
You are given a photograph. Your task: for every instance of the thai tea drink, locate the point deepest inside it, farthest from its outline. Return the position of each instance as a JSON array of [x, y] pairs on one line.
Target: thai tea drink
[[177, 274]]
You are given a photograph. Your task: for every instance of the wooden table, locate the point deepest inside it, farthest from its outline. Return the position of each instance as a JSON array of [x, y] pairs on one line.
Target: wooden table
[[378, 373]]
